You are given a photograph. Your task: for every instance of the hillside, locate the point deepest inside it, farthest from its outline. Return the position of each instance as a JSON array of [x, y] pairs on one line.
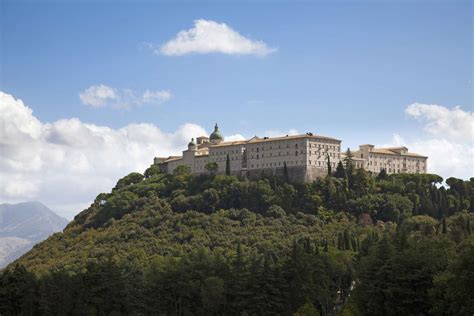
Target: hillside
[[24, 224], [216, 244]]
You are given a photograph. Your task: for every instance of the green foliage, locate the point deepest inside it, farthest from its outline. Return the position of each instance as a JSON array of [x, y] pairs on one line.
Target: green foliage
[[328, 163], [217, 244], [307, 310], [132, 178], [182, 170], [227, 165], [153, 170], [340, 171], [211, 167]]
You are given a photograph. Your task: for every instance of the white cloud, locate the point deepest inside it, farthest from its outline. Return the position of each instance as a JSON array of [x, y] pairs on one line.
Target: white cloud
[[455, 124], [212, 37], [275, 133], [156, 96], [102, 95], [235, 137], [66, 163], [98, 95], [449, 141]]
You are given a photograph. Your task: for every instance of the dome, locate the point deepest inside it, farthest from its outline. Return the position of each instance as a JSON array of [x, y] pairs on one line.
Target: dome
[[191, 144], [216, 135]]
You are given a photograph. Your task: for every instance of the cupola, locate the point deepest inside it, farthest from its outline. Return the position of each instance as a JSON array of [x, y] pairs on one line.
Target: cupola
[[192, 145], [216, 136]]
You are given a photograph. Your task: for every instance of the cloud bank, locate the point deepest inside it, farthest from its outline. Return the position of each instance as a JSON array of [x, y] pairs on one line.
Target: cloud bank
[[212, 37], [448, 142], [102, 95], [66, 163]]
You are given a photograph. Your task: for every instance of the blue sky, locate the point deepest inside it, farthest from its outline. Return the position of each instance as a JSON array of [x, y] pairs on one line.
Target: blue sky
[[347, 69]]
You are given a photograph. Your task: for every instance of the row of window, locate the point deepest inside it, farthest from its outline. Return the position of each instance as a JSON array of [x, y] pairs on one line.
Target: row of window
[[277, 164], [394, 158]]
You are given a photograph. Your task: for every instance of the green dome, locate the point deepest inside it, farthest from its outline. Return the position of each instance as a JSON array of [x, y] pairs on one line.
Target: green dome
[[216, 135]]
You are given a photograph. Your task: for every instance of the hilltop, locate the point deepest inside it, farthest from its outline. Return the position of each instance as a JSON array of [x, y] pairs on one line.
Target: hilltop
[[217, 244]]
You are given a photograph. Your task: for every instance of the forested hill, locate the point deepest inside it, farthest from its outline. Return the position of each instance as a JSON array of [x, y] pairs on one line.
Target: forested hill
[[216, 244]]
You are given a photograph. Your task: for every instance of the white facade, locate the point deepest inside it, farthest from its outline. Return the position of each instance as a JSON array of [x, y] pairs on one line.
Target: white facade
[[257, 153], [308, 151], [392, 159]]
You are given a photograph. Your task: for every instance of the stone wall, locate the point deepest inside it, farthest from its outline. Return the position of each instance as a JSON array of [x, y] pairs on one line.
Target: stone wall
[[298, 174]]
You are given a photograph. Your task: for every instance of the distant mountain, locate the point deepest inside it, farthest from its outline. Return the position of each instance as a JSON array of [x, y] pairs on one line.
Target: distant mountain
[[24, 224]]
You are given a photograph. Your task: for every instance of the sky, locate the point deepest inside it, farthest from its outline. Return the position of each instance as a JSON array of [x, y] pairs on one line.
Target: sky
[[92, 90]]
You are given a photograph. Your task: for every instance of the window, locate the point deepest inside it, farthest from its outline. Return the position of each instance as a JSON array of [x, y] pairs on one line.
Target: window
[[296, 153]]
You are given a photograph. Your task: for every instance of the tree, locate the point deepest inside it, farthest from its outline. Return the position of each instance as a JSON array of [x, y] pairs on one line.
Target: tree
[[285, 172], [211, 167], [275, 211], [347, 240], [340, 171], [445, 226], [132, 178], [182, 170], [17, 289], [227, 165], [213, 294], [349, 161], [329, 165], [452, 290], [382, 175], [307, 309], [152, 171]]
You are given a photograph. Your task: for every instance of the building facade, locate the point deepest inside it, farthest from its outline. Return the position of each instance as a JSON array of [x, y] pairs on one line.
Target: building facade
[[305, 156], [392, 159]]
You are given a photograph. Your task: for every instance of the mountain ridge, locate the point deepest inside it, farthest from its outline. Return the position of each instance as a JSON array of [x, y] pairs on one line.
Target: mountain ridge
[[24, 224]]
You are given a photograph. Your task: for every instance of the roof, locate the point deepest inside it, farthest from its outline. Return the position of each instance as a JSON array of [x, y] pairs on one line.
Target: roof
[[344, 156], [389, 151], [172, 158], [270, 139]]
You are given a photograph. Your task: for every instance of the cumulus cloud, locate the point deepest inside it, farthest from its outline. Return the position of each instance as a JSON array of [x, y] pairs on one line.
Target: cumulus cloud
[[66, 163], [275, 133], [235, 137], [98, 95], [212, 37], [102, 95], [448, 142], [440, 121]]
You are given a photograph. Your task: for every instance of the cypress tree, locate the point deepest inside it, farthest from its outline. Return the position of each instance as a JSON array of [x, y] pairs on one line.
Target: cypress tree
[[347, 240], [285, 172], [340, 242], [329, 165], [227, 165], [340, 171], [382, 175]]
